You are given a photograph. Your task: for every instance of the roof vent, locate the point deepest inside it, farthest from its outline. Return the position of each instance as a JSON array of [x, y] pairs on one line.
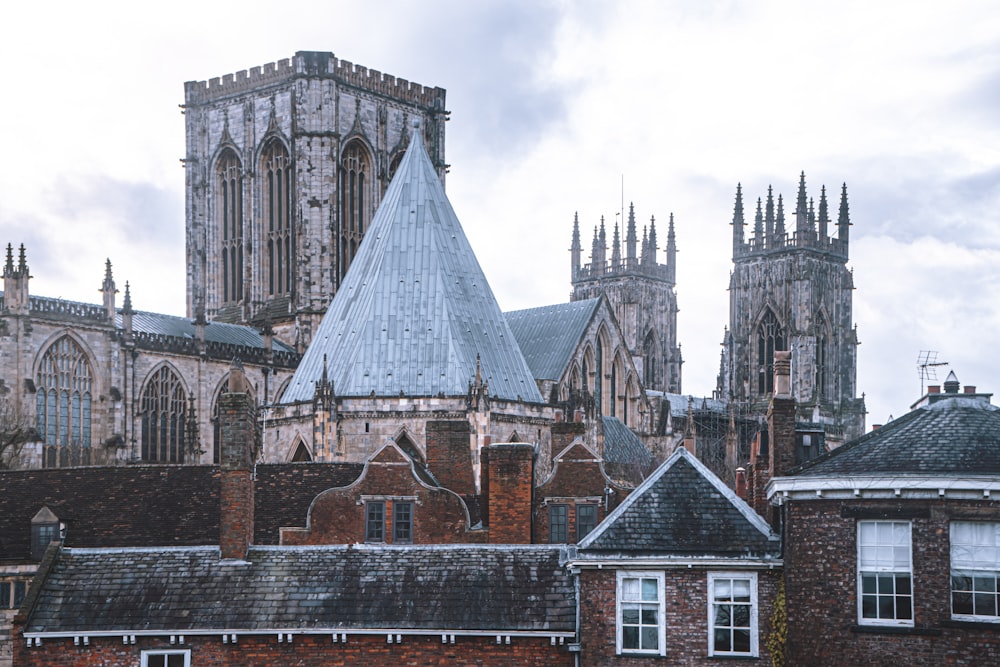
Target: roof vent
[[951, 384]]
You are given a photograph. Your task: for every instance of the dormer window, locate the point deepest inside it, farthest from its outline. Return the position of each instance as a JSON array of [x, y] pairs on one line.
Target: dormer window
[[45, 529]]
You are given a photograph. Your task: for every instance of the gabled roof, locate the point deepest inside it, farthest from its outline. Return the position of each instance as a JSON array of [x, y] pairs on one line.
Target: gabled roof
[[952, 437], [414, 310], [485, 588], [548, 335], [622, 445], [682, 511]]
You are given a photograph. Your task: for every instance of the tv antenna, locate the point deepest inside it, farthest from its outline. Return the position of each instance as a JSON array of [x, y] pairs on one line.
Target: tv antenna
[[927, 364]]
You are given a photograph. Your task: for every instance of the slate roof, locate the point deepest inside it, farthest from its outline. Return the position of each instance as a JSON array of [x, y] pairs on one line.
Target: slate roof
[[488, 588], [548, 335], [158, 324], [621, 445], [415, 309], [148, 505], [683, 511], [952, 437]]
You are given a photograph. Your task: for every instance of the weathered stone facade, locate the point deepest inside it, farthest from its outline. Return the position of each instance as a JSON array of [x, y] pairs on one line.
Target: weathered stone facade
[[286, 165], [105, 385], [642, 296], [793, 291]]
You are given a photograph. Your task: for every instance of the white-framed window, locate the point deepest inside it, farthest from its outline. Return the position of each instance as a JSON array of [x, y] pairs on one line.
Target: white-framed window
[[732, 613], [181, 658], [885, 567], [641, 625], [975, 570]]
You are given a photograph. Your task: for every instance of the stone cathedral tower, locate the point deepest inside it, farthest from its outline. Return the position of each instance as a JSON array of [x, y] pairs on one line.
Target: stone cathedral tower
[[285, 167], [791, 290], [641, 292]]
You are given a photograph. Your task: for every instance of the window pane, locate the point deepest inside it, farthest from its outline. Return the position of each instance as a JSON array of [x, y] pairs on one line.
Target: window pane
[[374, 521], [630, 637], [741, 616], [558, 523], [961, 603], [649, 616], [630, 589], [175, 660], [630, 615], [649, 590], [741, 641], [650, 638], [402, 522], [20, 588], [5, 601], [723, 642]]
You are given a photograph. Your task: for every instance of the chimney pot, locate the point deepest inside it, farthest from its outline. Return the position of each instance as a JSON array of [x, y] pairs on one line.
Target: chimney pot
[[933, 389], [970, 389]]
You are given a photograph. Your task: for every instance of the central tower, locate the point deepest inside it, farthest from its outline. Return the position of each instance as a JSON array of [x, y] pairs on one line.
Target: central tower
[[285, 167]]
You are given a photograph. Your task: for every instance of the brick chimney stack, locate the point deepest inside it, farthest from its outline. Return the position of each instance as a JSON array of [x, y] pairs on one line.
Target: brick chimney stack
[[508, 488], [781, 420], [239, 443]]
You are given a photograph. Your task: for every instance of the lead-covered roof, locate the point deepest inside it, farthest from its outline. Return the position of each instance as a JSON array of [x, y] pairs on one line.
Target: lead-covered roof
[[415, 310]]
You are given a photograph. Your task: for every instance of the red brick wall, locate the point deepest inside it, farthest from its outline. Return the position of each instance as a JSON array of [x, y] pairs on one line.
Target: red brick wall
[[337, 516], [821, 587], [563, 434], [304, 651], [510, 473], [686, 594], [576, 475], [448, 455]]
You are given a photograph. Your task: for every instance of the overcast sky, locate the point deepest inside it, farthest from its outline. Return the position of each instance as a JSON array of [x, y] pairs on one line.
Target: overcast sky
[[554, 106]]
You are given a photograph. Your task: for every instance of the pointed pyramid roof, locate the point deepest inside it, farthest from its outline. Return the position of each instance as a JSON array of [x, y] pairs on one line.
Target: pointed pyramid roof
[[415, 308]]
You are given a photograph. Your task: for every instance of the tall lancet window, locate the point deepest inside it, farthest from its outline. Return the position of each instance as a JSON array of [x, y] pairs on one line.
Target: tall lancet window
[[599, 376], [229, 210], [822, 345], [163, 410], [64, 395], [770, 337], [355, 201], [276, 181]]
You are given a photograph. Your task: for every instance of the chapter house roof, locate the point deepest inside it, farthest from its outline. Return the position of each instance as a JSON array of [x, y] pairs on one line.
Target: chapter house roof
[[549, 335], [681, 511], [337, 588], [415, 309]]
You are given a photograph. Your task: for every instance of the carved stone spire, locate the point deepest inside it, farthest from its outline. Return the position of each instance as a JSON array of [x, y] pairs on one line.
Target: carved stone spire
[[758, 225], [769, 218], [671, 251], [824, 216], [738, 222], [652, 241], [779, 223], [802, 211], [844, 220], [127, 312], [108, 291], [8, 267], [630, 237], [575, 250], [616, 250], [595, 254]]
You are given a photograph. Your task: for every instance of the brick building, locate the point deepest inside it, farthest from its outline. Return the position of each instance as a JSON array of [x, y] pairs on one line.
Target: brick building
[[892, 542]]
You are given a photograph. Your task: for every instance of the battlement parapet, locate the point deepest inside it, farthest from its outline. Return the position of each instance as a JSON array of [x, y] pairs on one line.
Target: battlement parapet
[[215, 350], [48, 308], [755, 246], [311, 64], [624, 268]]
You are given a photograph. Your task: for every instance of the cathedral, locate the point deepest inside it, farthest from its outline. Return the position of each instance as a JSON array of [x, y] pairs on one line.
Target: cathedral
[[324, 258]]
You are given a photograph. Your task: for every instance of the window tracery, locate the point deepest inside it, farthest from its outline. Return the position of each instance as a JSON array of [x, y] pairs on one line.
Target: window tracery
[[163, 410], [355, 201], [229, 176], [63, 407], [276, 179]]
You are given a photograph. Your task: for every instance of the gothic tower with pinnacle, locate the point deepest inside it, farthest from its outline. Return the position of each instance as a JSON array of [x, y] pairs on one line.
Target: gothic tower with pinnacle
[[792, 290], [640, 290], [285, 167]]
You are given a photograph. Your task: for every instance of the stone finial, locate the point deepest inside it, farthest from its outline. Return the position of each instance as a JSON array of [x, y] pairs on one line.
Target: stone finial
[[782, 373]]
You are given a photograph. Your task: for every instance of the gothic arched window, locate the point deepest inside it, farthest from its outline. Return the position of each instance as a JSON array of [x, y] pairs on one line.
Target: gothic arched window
[[229, 210], [770, 337], [822, 343], [355, 201], [276, 181], [163, 410], [649, 361], [63, 395], [599, 376]]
